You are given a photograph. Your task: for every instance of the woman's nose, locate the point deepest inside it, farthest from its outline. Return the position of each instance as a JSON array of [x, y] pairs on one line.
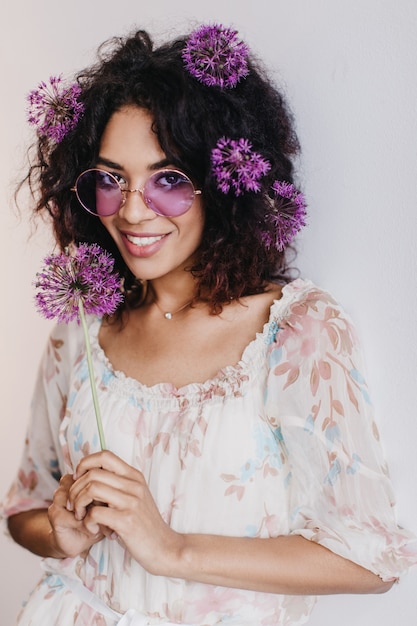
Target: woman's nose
[[134, 208]]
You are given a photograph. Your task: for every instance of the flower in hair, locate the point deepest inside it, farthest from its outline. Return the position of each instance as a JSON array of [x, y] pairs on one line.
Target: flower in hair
[[74, 283], [215, 56], [287, 218], [54, 109], [237, 167]]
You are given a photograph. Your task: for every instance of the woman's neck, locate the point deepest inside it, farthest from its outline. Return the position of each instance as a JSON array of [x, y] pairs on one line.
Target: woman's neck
[[171, 295]]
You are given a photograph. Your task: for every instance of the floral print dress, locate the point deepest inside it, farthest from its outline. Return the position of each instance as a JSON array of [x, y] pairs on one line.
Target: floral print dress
[[284, 442]]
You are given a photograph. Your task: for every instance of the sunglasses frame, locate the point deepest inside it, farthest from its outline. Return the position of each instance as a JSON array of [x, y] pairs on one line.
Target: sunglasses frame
[[124, 192]]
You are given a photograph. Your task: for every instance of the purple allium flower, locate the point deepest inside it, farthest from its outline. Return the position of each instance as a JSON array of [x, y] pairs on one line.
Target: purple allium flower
[[286, 219], [72, 285], [85, 277], [215, 56], [236, 166], [54, 109]]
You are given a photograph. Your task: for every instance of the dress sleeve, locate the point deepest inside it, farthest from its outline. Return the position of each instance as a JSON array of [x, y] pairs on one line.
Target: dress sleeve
[[317, 403], [43, 459]]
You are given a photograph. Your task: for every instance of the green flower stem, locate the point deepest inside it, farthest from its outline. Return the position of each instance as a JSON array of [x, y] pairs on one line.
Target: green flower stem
[[91, 374]]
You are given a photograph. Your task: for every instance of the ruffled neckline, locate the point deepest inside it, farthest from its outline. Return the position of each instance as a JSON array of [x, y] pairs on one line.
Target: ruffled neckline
[[229, 380]]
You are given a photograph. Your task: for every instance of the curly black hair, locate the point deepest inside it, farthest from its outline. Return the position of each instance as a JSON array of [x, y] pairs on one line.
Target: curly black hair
[[189, 118]]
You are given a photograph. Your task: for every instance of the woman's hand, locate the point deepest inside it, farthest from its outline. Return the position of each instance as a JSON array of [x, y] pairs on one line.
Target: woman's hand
[[285, 564], [69, 536], [129, 510]]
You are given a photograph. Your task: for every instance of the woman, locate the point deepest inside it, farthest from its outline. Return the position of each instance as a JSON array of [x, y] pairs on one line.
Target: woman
[[243, 475]]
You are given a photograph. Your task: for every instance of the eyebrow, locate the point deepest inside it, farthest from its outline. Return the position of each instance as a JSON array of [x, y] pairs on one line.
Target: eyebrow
[[116, 166]]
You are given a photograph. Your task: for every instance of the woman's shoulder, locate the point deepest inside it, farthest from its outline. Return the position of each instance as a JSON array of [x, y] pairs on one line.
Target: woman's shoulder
[[308, 320], [302, 297]]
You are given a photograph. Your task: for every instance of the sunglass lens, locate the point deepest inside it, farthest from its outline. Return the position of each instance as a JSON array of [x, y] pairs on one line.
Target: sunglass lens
[[169, 193], [99, 192]]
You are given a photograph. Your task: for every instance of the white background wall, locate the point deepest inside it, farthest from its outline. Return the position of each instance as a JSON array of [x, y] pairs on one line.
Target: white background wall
[[349, 71]]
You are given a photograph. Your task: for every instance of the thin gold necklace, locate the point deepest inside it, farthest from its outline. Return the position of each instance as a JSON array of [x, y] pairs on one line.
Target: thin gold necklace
[[170, 314]]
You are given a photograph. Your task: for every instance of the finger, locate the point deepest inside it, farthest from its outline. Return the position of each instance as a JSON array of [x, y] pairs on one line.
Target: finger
[[89, 482], [105, 476], [105, 460], [108, 532], [108, 489], [103, 520], [60, 496], [60, 517]]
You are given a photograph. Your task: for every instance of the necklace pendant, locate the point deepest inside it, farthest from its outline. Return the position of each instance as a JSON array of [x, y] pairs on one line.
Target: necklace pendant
[[168, 315]]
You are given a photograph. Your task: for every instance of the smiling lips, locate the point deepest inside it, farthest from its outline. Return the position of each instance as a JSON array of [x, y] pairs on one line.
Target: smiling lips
[[143, 241], [143, 246]]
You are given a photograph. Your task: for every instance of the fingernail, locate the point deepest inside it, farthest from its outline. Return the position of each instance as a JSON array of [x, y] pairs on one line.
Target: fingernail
[[69, 506]]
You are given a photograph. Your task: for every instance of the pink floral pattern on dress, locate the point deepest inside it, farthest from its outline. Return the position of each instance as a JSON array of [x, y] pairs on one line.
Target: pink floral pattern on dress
[[318, 339]]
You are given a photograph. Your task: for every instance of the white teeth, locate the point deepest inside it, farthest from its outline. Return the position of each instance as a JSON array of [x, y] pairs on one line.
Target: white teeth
[[143, 241]]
